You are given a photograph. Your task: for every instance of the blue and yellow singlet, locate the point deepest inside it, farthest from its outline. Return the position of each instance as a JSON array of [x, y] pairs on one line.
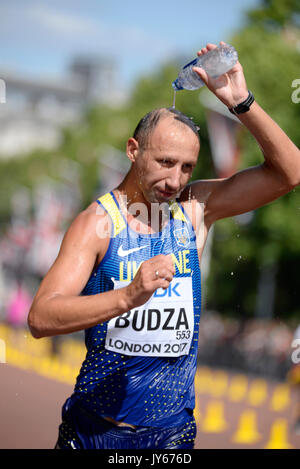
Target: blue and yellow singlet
[[140, 366]]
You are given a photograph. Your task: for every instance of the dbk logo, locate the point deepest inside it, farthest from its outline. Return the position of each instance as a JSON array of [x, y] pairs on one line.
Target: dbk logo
[[170, 291]]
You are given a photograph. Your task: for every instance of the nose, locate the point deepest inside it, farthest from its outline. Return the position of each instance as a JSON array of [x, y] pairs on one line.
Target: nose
[[173, 180]]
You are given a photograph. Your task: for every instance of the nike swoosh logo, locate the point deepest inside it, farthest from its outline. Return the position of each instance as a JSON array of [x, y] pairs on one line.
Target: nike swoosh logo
[[123, 253]]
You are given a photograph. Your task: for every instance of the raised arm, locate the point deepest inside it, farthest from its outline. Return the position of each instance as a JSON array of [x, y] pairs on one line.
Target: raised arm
[[255, 186]]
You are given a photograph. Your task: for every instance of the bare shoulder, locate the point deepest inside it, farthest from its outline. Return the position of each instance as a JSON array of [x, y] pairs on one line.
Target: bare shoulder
[[90, 229], [81, 247]]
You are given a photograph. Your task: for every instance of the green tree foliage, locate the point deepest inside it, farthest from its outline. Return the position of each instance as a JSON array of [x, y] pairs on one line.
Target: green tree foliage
[[276, 13]]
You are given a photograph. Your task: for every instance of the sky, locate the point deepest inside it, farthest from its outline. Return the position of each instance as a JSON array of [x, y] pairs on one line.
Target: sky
[[40, 37]]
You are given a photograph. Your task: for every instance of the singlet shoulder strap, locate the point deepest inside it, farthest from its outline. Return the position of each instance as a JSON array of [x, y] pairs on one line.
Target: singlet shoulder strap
[[119, 223], [177, 211], [111, 207]]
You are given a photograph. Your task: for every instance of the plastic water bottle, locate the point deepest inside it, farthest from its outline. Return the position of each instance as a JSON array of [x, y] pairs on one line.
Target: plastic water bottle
[[215, 62]]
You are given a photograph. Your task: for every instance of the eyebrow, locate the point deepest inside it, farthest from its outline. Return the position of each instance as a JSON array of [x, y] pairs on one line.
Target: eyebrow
[[174, 160]]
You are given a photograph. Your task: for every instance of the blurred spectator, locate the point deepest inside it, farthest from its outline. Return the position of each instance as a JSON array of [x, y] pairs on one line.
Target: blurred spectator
[[18, 306], [260, 347]]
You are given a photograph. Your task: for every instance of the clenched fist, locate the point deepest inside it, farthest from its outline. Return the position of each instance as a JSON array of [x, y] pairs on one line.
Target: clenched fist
[[154, 273]]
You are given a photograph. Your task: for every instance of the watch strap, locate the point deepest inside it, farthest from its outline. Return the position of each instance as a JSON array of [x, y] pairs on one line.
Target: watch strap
[[244, 106]]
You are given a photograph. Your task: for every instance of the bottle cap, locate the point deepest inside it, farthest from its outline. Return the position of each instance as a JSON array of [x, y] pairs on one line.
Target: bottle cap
[[176, 86]]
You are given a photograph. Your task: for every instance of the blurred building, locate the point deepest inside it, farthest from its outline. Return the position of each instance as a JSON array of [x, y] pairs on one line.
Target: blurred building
[[37, 109]]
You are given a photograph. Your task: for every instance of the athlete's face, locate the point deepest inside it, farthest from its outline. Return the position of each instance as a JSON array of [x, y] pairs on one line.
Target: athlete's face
[[165, 166]]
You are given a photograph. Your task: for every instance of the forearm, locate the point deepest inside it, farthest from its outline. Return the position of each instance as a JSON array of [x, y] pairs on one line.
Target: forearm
[[60, 314], [280, 153]]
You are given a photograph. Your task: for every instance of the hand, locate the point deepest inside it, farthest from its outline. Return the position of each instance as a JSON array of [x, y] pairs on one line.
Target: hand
[[154, 273], [231, 87]]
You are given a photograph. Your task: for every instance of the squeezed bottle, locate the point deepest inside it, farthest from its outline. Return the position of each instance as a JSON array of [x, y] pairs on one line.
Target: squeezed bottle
[[215, 62]]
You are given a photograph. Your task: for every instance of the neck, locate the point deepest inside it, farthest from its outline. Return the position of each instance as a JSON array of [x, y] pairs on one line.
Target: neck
[[129, 187]]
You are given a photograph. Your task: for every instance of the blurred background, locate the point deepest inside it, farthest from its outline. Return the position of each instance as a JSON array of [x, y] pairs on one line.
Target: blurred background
[[78, 77]]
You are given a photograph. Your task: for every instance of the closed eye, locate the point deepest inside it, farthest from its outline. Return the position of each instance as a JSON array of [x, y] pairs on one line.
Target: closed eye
[[188, 167], [166, 162]]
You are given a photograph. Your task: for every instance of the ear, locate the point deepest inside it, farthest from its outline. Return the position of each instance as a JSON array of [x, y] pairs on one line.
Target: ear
[[132, 149]]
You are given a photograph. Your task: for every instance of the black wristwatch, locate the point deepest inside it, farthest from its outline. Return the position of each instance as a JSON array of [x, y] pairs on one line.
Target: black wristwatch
[[244, 106]]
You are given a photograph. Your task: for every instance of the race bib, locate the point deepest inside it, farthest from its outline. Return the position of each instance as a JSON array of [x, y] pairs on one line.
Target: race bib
[[162, 327]]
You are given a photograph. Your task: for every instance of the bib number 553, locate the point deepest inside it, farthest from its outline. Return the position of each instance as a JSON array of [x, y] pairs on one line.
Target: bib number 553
[[183, 334]]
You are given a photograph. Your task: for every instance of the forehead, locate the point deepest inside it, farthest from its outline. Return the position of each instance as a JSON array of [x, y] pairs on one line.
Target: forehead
[[172, 133]]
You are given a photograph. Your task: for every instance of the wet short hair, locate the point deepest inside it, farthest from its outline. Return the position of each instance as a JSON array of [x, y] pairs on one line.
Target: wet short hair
[[148, 123]]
